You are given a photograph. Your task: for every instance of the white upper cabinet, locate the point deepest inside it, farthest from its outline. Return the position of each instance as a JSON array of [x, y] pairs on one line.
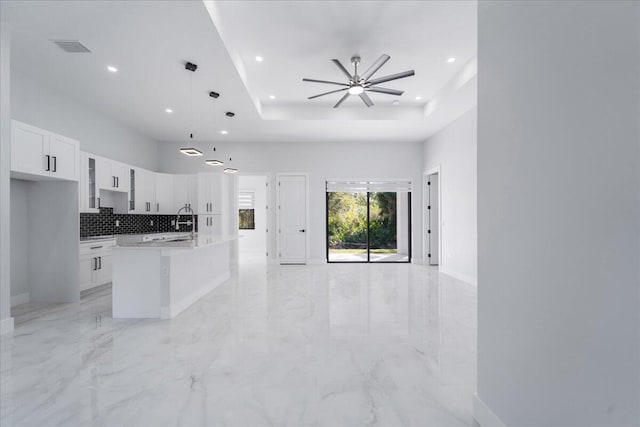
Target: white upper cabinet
[[185, 192], [64, 153], [111, 175], [212, 193], [89, 192], [164, 194], [38, 152]]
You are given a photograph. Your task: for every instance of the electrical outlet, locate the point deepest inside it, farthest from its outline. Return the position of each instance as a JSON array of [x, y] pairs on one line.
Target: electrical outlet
[[117, 223], [151, 222], [173, 222]]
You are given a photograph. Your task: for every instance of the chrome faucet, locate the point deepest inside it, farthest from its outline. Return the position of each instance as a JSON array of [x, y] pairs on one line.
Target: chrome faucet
[[193, 220]]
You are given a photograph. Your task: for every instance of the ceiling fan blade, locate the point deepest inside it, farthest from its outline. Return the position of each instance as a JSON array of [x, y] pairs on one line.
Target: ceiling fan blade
[[327, 93], [344, 70], [391, 77], [375, 66], [324, 81], [384, 90], [346, 95], [365, 98]]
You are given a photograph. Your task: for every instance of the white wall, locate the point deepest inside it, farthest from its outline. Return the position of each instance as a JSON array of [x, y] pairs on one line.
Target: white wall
[[454, 149], [98, 134], [6, 322], [322, 161], [254, 240], [559, 212], [19, 237]]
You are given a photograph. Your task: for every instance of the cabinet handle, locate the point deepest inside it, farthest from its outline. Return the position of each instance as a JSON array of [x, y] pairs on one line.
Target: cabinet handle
[[98, 202], [55, 164], [48, 163], [95, 247], [117, 181], [95, 264], [100, 262]]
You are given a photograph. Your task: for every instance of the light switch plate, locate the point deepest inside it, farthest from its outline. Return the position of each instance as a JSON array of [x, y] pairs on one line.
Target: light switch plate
[[117, 223]]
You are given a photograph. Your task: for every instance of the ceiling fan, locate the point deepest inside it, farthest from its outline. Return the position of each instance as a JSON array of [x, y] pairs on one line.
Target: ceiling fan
[[361, 84]]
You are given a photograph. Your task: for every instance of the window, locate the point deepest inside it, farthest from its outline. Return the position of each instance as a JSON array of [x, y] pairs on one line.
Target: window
[[246, 211]]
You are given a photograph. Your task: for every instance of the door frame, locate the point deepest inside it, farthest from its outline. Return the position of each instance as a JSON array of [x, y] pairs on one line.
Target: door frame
[[425, 198], [279, 175], [268, 210]]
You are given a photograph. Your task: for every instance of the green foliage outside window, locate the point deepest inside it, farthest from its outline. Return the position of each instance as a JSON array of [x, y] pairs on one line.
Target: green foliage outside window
[[247, 219], [348, 220]]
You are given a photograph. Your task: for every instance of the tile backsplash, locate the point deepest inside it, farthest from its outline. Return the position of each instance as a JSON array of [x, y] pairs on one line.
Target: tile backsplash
[[104, 223]]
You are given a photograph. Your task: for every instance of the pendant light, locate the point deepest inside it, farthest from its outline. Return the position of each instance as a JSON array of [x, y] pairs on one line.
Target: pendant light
[[230, 169], [214, 162], [190, 151]]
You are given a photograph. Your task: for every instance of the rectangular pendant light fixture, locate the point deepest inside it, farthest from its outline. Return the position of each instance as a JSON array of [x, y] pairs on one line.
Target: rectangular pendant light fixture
[[191, 152], [230, 170], [214, 162]]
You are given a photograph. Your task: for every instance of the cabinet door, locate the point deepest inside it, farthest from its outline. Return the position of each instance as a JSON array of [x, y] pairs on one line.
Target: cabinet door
[[104, 178], [88, 265], [164, 194], [204, 193], [150, 191], [29, 149], [88, 183], [105, 268], [180, 195], [192, 191], [64, 153], [120, 176]]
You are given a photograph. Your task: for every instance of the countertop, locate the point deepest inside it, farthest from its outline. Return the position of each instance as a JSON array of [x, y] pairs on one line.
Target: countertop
[[97, 238], [199, 242]]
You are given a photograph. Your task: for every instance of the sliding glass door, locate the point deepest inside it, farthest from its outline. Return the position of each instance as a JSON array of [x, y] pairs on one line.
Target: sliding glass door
[[368, 226]]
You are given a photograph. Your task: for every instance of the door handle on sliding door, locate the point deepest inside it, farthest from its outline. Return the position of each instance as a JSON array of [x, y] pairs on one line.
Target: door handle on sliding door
[[302, 231]]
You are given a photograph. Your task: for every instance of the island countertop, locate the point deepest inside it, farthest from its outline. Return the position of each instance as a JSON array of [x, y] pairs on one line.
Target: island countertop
[[198, 242]]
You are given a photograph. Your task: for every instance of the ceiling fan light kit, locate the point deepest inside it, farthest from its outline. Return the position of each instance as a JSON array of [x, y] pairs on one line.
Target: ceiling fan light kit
[[360, 84]]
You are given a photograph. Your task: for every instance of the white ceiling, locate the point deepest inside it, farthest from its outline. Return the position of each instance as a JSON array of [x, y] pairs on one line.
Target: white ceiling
[[149, 41]]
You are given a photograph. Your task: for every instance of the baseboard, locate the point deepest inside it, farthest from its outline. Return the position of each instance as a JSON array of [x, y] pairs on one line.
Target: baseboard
[[465, 278], [6, 326], [20, 299], [484, 415], [174, 309]]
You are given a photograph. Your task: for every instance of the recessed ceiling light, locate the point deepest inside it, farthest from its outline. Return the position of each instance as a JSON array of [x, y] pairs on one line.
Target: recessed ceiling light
[[450, 60], [112, 68], [272, 97], [224, 132], [396, 102], [168, 110], [418, 98], [259, 58], [191, 152]]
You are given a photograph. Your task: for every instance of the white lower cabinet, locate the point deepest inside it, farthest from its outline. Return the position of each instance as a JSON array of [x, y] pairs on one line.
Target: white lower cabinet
[[209, 224], [96, 266]]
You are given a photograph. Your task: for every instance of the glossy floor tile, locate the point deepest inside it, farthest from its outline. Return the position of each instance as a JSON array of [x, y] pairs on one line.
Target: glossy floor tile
[[319, 345]]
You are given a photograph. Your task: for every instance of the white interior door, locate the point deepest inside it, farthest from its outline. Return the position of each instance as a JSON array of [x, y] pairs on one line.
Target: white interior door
[[292, 211], [434, 220]]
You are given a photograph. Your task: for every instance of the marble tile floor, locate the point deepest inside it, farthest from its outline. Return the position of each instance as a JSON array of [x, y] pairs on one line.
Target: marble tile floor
[[318, 345]]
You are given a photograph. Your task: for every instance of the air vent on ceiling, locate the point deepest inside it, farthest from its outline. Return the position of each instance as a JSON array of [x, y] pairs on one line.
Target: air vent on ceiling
[[71, 46]]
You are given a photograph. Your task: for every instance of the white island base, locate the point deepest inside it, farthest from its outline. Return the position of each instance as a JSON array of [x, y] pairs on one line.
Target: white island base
[[162, 279]]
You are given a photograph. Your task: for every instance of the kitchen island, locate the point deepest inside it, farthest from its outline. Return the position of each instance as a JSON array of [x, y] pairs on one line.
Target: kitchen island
[[160, 279]]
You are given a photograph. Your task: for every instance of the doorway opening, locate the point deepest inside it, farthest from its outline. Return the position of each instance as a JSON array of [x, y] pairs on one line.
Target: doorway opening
[[432, 242], [252, 218], [368, 221]]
